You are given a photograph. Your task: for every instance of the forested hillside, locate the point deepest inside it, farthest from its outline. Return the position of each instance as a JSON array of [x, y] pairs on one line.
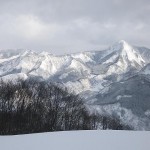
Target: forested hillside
[[31, 106]]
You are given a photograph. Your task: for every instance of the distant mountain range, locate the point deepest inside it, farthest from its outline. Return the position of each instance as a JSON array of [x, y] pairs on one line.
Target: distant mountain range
[[115, 81]]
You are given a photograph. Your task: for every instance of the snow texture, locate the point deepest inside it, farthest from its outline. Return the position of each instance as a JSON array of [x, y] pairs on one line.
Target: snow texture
[[78, 140]]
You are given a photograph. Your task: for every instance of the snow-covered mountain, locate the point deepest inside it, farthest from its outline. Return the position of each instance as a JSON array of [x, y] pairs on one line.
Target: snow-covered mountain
[[114, 81]]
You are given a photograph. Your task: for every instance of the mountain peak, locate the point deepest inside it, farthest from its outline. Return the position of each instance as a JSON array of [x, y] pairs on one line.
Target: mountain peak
[[121, 45], [124, 45], [122, 42], [127, 54]]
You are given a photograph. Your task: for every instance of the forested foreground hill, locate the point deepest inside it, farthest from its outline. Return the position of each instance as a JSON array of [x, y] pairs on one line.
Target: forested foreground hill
[[32, 106]]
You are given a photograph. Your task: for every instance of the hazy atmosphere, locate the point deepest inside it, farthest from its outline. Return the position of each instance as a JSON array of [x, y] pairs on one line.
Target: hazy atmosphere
[[72, 25]]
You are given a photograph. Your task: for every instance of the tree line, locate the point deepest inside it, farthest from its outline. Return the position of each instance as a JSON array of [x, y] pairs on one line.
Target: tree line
[[33, 106]]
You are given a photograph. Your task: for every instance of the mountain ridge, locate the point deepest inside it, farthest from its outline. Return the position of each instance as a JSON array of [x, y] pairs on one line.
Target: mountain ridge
[[93, 75]]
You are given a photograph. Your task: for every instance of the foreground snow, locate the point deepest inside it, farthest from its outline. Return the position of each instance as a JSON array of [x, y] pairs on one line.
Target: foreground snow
[[78, 140]]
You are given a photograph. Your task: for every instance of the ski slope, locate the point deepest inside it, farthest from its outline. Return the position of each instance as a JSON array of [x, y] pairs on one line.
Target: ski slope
[[78, 140]]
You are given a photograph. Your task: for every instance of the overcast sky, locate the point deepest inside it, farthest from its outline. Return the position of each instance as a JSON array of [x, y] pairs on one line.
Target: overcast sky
[[64, 26]]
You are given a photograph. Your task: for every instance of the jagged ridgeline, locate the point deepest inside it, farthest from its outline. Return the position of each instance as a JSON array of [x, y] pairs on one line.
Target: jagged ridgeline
[[32, 106]]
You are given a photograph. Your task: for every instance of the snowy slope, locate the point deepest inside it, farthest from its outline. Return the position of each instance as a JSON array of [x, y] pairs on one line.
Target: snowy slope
[[90, 74], [78, 140], [119, 59], [146, 70]]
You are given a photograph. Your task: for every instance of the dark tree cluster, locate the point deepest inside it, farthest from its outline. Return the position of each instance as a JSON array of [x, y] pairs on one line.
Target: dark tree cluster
[[32, 107]]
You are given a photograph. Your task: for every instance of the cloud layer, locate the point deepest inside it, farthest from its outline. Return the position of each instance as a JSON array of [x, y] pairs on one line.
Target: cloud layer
[[72, 25]]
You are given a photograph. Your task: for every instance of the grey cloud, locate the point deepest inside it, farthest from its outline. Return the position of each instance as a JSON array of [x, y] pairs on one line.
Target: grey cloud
[[72, 25]]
